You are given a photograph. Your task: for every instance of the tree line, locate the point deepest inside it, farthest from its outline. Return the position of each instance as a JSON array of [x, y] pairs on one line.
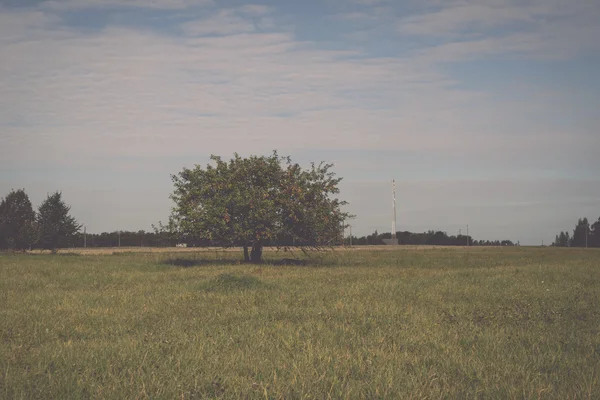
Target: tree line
[[22, 228], [248, 202], [51, 227], [584, 235], [433, 238]]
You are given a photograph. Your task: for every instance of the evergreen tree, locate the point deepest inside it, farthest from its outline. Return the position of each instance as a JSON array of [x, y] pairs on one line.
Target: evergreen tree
[[562, 240], [18, 230], [580, 233], [57, 227], [595, 234]]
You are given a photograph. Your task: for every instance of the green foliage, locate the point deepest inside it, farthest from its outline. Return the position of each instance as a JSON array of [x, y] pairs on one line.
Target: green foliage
[[256, 201], [18, 229], [57, 227]]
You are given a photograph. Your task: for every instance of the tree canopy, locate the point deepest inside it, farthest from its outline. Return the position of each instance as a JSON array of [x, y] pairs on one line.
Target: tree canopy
[[584, 235], [595, 234], [17, 221], [256, 201], [56, 226]]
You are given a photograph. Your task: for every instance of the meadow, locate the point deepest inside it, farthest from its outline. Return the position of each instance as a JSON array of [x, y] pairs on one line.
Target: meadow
[[404, 322]]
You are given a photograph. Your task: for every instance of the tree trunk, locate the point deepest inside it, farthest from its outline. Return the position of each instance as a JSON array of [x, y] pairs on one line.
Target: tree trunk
[[246, 255], [256, 254]]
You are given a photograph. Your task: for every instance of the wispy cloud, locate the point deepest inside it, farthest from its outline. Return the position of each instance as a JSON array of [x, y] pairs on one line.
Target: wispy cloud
[[368, 2], [463, 20], [62, 5], [254, 9], [225, 22], [466, 30], [207, 79]]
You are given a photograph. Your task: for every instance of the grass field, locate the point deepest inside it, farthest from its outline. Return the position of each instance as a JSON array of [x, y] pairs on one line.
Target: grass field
[[407, 323]]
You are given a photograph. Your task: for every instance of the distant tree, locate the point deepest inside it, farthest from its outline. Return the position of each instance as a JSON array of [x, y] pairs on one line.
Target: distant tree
[[595, 234], [562, 240], [18, 229], [256, 201], [565, 239], [375, 238], [439, 238], [579, 233], [57, 227]]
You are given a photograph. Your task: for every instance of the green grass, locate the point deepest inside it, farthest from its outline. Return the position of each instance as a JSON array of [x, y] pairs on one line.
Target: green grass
[[435, 323]]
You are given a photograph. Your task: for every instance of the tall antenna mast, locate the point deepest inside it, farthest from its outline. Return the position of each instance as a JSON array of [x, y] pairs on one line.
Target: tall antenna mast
[[394, 208]]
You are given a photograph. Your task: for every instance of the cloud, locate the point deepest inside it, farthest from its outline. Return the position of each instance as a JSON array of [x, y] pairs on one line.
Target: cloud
[[17, 25], [225, 22], [62, 5], [117, 102], [254, 9], [462, 19], [231, 21], [124, 86], [264, 89], [540, 29], [368, 2], [559, 42]]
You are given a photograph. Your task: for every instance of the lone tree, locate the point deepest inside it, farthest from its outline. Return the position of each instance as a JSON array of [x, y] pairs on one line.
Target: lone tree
[[257, 201], [18, 230], [57, 227]]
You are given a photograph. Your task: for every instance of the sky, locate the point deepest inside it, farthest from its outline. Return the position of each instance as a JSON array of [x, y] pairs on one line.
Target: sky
[[484, 112]]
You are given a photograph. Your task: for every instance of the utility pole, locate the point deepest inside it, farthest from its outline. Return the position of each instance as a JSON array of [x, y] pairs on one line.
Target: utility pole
[[467, 234], [85, 237], [587, 227], [119, 238], [394, 207]]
